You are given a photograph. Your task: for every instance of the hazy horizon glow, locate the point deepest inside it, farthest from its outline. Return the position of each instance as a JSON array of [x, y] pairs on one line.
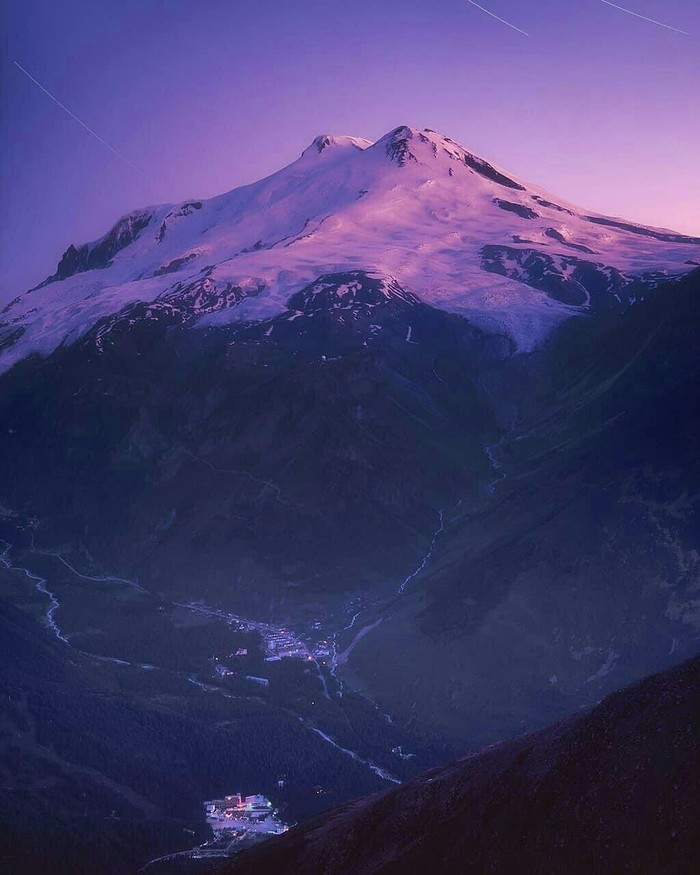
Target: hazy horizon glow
[[599, 107]]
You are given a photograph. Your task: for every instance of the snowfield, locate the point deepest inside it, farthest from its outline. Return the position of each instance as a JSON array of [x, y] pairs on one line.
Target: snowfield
[[414, 206]]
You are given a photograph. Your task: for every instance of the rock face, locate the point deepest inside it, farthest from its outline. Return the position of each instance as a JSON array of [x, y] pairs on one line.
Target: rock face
[[100, 255], [613, 790]]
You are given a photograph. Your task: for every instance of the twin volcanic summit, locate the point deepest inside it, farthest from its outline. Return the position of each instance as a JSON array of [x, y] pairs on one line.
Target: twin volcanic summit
[[433, 426], [415, 210]]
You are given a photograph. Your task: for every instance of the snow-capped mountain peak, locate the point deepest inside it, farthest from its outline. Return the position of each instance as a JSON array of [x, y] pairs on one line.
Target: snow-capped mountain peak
[[449, 227], [336, 144]]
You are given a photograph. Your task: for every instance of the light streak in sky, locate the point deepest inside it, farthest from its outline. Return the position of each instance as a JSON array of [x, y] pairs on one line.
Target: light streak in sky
[[644, 17], [81, 123], [498, 18]]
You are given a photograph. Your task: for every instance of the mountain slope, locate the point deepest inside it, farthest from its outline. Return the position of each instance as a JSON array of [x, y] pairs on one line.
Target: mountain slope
[[414, 206], [71, 747], [613, 790], [289, 461], [579, 572]]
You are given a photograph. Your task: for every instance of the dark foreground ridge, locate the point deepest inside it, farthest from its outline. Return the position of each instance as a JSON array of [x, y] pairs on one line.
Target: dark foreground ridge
[[614, 790]]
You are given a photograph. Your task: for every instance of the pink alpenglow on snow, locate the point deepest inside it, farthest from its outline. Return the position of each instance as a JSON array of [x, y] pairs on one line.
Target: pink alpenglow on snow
[[414, 207]]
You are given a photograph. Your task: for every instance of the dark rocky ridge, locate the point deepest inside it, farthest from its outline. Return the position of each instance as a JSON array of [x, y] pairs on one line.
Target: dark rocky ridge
[[568, 278], [611, 791], [667, 237], [397, 145], [519, 209], [99, 255]]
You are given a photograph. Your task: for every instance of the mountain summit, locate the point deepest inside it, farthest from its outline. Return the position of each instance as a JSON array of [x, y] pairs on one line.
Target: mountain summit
[[415, 207]]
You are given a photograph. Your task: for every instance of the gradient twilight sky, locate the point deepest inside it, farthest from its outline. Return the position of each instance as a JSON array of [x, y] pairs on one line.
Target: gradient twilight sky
[[601, 108]]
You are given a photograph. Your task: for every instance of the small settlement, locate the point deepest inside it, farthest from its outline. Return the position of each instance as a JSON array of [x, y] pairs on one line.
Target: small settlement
[[247, 816], [237, 822]]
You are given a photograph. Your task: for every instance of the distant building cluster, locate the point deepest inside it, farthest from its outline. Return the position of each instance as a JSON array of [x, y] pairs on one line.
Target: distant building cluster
[[245, 814], [282, 643], [237, 803]]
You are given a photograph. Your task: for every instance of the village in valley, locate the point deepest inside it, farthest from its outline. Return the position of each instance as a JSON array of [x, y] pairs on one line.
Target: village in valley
[[237, 820], [278, 642]]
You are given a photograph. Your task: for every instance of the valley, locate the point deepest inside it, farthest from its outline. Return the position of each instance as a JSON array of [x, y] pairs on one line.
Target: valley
[[174, 654]]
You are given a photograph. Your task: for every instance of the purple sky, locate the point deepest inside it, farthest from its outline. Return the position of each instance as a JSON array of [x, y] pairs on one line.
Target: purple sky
[[599, 107]]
